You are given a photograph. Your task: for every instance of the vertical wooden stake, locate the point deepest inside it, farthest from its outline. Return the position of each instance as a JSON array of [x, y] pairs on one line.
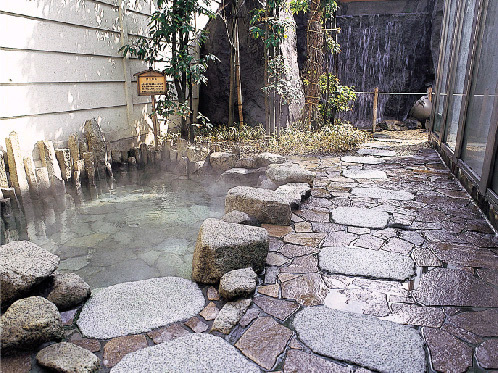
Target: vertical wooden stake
[[375, 108], [429, 93], [154, 122]]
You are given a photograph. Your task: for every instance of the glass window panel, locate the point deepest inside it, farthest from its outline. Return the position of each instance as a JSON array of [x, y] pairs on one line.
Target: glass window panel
[[456, 99], [482, 94], [445, 62]]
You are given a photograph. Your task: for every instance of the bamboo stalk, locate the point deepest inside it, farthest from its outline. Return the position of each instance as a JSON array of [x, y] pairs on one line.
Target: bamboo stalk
[[375, 108]]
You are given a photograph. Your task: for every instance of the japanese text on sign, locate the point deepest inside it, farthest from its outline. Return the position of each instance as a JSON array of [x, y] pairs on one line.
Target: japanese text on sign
[[151, 85]]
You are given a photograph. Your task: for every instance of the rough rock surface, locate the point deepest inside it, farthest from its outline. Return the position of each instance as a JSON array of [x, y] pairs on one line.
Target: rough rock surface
[[363, 340], [299, 361], [69, 290], [23, 264], [267, 206], [190, 353], [362, 160], [360, 217], [230, 315], [67, 357], [239, 283], [294, 193], [239, 217], [265, 159], [365, 262], [377, 152], [140, 306], [117, 348], [364, 174], [30, 322], [222, 247], [222, 161], [289, 173], [486, 354], [448, 354], [242, 176]]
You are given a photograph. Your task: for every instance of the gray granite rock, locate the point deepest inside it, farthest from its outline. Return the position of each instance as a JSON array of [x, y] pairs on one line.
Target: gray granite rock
[[383, 194], [448, 354], [140, 306], [363, 340], [453, 287], [364, 262], [242, 176], [364, 174], [486, 354], [362, 160], [294, 193], [266, 205], [23, 264], [377, 152], [190, 353], [360, 217], [266, 159], [286, 173], [30, 322], [67, 357], [222, 161], [69, 290], [239, 217], [222, 247], [239, 283], [230, 315]]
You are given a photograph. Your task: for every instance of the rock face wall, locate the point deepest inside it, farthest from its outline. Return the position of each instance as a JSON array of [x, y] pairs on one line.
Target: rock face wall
[[392, 45]]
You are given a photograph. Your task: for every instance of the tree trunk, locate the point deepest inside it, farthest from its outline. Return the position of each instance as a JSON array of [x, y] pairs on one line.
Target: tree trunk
[[237, 71]]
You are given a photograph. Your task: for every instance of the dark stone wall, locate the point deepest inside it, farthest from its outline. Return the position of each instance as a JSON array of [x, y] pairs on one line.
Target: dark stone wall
[[390, 44]]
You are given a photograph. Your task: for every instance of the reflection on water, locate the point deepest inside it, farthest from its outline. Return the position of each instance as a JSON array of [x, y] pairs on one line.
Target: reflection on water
[[146, 226]]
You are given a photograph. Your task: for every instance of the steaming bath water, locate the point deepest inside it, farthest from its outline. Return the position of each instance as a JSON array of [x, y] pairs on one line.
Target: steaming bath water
[[138, 230]]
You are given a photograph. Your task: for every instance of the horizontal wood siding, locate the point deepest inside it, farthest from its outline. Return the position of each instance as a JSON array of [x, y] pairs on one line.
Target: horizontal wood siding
[[61, 65]]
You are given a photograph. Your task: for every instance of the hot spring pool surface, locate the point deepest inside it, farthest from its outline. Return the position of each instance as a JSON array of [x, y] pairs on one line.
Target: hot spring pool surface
[[138, 230]]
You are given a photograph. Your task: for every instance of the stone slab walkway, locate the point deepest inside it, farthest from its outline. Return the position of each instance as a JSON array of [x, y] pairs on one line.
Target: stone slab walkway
[[434, 309]]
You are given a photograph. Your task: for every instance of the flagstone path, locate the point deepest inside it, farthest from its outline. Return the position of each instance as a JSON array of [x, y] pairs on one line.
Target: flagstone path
[[389, 266]]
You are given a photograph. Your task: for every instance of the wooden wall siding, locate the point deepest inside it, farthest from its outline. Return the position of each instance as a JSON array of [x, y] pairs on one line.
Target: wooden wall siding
[[61, 65]]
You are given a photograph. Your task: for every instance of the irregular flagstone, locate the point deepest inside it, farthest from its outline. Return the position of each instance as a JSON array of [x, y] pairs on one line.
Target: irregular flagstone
[[360, 217], [304, 239], [90, 344], [190, 353], [303, 227], [67, 357], [117, 348], [303, 264], [299, 361], [281, 309], [415, 315], [466, 256], [424, 257], [448, 354], [356, 300], [276, 259], [197, 325], [23, 264], [250, 315], [140, 306], [363, 160], [364, 174], [270, 290], [292, 251], [368, 241], [277, 230], [264, 341], [222, 247], [340, 238], [230, 315], [212, 293], [462, 334], [377, 152], [364, 262], [210, 311], [483, 323], [397, 245], [307, 289], [167, 333], [360, 339], [267, 206], [452, 287], [384, 194], [486, 354]]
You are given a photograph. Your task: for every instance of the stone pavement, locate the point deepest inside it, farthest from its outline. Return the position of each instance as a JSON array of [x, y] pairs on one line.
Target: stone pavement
[[389, 266]]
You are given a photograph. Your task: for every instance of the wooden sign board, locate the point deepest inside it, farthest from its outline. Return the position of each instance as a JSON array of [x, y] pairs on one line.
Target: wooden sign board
[[151, 82]]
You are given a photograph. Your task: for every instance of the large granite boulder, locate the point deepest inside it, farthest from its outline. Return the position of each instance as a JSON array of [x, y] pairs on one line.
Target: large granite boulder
[[23, 265], [222, 247], [30, 322], [242, 176], [238, 283], [222, 161], [266, 205], [239, 217], [67, 357], [289, 173], [69, 290], [294, 193]]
